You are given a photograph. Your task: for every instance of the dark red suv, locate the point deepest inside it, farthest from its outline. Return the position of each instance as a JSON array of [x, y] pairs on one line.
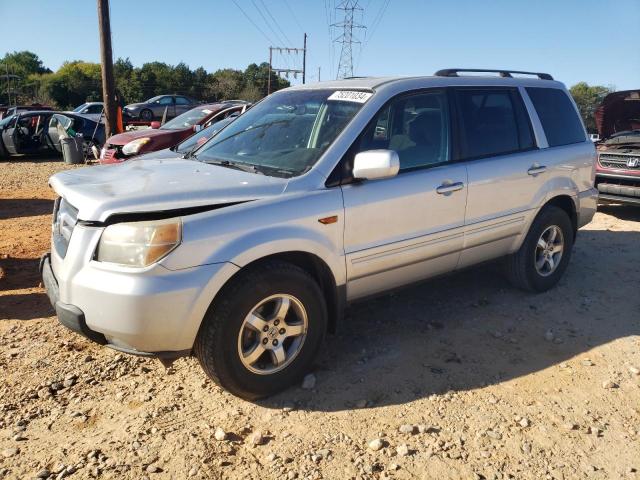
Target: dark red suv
[[618, 167]]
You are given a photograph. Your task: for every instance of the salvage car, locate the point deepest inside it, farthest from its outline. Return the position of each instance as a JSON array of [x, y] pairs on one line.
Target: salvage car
[[127, 145], [92, 110], [618, 167], [155, 107], [38, 132], [246, 253]]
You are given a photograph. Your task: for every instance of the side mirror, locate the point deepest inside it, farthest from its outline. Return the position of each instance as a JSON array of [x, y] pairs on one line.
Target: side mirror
[[375, 164], [155, 125], [197, 128]]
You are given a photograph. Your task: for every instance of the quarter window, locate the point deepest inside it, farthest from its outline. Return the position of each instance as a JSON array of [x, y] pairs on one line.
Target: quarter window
[[415, 126], [492, 122], [558, 116]]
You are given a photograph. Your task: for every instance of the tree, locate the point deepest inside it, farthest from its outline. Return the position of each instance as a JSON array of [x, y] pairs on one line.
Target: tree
[[24, 64], [74, 83], [588, 98]]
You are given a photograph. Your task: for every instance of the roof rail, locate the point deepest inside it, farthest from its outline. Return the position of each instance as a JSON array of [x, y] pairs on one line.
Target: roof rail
[[453, 72]]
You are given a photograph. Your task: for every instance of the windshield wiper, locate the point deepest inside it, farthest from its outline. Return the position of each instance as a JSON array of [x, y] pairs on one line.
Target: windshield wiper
[[245, 167]]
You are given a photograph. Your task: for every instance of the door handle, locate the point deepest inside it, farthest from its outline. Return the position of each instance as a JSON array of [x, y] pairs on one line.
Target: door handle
[[535, 169], [449, 187]]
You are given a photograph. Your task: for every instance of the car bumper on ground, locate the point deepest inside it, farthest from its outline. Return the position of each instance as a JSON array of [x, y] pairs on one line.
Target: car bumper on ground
[[155, 314]]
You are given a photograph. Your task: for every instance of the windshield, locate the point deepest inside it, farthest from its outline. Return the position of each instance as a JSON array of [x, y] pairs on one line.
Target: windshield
[[285, 134], [198, 139], [80, 108], [187, 119]]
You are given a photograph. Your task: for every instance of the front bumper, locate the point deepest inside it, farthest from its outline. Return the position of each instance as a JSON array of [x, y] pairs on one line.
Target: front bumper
[[619, 188], [154, 313]]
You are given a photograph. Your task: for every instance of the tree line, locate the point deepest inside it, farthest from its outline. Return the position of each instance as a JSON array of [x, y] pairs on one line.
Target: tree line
[[76, 82]]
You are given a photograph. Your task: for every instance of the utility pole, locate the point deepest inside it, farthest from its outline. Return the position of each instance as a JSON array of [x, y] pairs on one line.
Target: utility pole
[[287, 71], [106, 59], [304, 59], [347, 38]]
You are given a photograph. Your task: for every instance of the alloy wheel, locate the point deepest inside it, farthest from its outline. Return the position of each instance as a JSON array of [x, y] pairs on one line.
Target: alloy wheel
[[549, 250], [272, 334]]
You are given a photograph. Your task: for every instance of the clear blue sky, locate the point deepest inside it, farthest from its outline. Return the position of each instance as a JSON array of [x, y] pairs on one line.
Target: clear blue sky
[[591, 40]]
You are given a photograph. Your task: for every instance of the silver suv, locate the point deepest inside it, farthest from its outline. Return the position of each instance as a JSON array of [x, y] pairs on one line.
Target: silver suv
[[246, 251]]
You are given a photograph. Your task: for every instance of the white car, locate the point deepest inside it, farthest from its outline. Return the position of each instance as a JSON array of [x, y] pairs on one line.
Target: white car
[[246, 253]]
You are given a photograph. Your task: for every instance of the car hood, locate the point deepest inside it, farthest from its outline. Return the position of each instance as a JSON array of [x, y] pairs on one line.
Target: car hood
[[158, 185], [619, 111], [134, 105], [126, 137]]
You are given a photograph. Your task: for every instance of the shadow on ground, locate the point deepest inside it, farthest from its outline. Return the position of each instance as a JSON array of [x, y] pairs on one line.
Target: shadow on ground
[[472, 329], [622, 212], [24, 207], [26, 306]]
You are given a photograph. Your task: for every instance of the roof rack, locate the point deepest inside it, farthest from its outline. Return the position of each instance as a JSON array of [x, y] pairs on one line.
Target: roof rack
[[453, 72]]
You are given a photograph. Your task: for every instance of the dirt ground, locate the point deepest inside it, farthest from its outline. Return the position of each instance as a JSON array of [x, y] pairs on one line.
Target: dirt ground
[[461, 377]]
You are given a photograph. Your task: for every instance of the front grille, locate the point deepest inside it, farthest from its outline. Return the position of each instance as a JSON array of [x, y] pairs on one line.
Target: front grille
[[65, 217], [620, 161]]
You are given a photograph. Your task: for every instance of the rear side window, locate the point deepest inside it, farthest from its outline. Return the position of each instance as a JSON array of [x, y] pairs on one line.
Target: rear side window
[[559, 118], [492, 122]]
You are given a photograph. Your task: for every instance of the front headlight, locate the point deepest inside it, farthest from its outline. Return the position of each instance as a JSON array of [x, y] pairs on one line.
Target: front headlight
[[139, 244], [133, 147]]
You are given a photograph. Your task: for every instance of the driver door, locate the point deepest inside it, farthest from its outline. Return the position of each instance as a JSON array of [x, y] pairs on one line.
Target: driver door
[[409, 227]]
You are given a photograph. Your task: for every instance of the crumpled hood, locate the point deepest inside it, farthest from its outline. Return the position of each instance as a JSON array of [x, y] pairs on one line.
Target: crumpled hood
[[155, 185], [126, 137], [619, 111]]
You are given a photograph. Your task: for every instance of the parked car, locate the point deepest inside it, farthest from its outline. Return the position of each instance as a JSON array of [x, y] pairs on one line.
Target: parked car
[[8, 111], [618, 167], [127, 145], [155, 107], [187, 147], [246, 253], [38, 132], [92, 110]]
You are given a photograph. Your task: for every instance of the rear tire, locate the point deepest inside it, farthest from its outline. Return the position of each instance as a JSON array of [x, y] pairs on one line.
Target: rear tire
[[227, 341], [545, 253]]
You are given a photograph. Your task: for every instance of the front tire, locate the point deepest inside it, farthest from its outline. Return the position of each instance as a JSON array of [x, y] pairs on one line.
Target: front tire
[[544, 255], [263, 331]]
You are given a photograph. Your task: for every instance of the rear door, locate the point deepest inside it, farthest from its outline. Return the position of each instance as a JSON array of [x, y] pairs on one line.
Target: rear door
[[503, 164], [183, 104], [409, 227]]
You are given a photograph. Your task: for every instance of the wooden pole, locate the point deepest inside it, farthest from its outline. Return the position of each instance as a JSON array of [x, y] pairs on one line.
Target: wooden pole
[[106, 59], [304, 60], [269, 79]]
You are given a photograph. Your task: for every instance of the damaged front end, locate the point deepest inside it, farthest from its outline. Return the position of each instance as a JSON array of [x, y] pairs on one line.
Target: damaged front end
[[618, 166]]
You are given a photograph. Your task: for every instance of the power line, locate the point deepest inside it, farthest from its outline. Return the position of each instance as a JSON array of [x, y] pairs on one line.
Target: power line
[[252, 22], [294, 16], [276, 23], [267, 23]]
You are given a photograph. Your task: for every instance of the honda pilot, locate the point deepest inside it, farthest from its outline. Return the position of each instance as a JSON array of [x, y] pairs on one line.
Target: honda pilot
[[245, 253]]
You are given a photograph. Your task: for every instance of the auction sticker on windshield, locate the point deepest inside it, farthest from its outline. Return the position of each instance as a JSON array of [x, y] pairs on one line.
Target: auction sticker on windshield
[[350, 96]]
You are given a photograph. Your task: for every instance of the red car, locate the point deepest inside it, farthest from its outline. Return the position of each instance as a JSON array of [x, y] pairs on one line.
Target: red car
[[125, 146], [618, 167]]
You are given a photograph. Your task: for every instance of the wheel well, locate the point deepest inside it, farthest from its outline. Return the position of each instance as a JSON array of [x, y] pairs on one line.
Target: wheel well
[[321, 272], [566, 203]]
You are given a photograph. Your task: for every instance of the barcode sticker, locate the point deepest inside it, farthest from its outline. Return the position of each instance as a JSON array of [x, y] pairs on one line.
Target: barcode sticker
[[350, 96]]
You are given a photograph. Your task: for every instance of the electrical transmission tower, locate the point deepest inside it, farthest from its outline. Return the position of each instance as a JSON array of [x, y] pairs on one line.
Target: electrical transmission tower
[[347, 38]]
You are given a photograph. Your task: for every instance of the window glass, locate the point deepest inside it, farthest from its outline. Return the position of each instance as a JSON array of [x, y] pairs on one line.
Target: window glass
[[489, 123], [285, 134], [95, 109], [166, 101], [415, 126], [182, 101], [559, 118]]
